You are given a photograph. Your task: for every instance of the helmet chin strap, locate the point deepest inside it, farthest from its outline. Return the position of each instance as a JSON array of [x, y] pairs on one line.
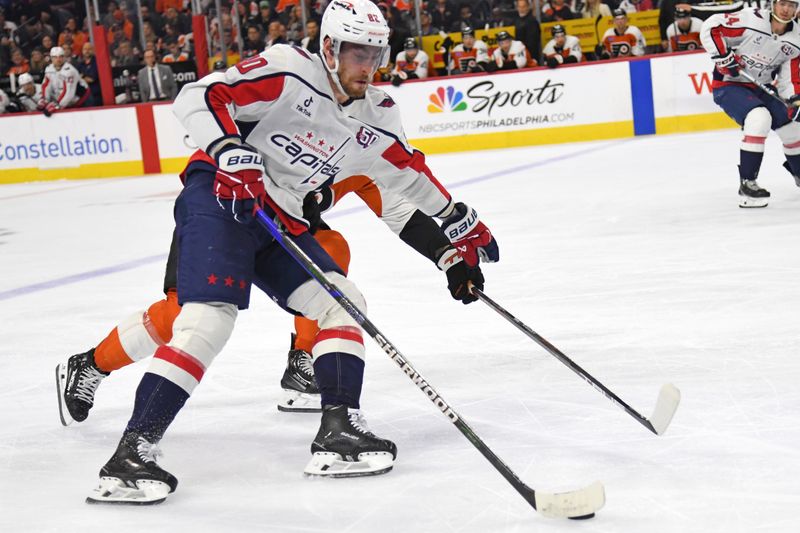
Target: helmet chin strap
[[333, 72], [776, 17]]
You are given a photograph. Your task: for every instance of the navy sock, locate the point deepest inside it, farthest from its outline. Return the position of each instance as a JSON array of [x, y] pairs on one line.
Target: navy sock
[[339, 377], [749, 164], [158, 401], [794, 164]]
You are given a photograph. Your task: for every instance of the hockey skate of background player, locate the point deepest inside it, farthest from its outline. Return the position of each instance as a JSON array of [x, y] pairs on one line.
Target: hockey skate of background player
[[142, 332], [736, 42], [287, 117]]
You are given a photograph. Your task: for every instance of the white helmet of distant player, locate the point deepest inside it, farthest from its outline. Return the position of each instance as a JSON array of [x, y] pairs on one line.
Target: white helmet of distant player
[[773, 5], [356, 21], [24, 79]]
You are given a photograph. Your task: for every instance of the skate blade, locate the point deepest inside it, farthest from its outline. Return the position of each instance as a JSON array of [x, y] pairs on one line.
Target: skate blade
[[61, 385], [112, 490], [329, 464], [299, 402], [747, 202]]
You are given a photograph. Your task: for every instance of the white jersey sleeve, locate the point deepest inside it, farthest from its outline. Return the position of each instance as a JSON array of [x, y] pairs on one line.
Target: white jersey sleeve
[[638, 48], [61, 86], [573, 44]]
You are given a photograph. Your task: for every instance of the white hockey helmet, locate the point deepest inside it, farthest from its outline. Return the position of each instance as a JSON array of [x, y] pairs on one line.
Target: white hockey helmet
[[354, 21], [57, 51], [24, 79]]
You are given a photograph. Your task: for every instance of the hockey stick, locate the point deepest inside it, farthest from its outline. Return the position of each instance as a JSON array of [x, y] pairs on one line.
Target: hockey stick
[[578, 504], [668, 398], [769, 89]]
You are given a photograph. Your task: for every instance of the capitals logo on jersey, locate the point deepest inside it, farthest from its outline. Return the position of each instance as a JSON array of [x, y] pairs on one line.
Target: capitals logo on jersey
[[387, 102], [365, 137]]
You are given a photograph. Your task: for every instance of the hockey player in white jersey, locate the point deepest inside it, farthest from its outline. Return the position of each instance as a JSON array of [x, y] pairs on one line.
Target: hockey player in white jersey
[[759, 43], [29, 94], [509, 54], [272, 129], [63, 86], [562, 48]]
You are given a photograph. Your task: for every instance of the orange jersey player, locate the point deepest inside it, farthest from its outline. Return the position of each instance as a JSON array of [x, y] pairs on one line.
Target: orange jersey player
[[623, 40], [141, 333], [684, 33]]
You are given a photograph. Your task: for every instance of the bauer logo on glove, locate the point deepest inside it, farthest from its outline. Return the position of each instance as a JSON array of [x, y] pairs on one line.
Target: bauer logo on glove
[[470, 236]]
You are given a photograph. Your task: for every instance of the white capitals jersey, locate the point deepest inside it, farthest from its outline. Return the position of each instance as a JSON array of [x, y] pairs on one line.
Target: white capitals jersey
[[280, 102], [572, 47], [749, 34], [31, 103], [64, 86], [516, 53]]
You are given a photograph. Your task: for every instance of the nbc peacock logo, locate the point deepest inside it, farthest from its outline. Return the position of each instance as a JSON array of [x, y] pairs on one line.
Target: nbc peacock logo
[[446, 99]]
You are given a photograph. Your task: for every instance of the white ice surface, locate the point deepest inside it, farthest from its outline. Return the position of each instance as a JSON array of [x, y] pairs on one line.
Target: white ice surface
[[631, 256]]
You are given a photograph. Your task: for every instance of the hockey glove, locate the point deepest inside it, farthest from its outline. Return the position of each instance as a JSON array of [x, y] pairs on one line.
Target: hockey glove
[[472, 239], [793, 109], [552, 61], [729, 64], [239, 183], [459, 275], [50, 108]]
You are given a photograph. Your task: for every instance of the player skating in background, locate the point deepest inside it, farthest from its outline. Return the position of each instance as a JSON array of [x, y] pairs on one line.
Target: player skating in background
[[274, 128], [140, 334], [760, 43]]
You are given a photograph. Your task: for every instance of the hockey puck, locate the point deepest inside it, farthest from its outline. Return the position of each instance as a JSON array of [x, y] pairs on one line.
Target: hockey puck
[[584, 517]]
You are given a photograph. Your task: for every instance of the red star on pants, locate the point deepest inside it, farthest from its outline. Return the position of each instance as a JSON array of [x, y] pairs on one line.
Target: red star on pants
[[212, 279], [228, 281], [242, 284]]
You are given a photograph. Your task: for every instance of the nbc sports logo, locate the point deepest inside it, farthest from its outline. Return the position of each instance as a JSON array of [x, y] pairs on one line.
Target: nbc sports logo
[[446, 100]]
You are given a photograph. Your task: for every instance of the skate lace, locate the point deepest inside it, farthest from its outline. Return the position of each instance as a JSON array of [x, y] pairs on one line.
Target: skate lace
[[88, 381], [303, 364], [358, 421], [148, 451]]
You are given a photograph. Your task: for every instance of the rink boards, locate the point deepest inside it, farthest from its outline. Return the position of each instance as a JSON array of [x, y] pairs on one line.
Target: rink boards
[[591, 101]]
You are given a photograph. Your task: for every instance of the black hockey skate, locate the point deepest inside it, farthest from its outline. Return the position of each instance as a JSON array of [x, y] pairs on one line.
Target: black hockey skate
[[300, 392], [345, 447], [132, 476], [751, 195], [77, 380]]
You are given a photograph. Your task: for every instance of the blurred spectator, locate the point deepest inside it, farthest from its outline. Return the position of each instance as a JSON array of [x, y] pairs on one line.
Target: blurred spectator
[[470, 55], [29, 94], [465, 19], [254, 44], [410, 64], [443, 15], [150, 34], [311, 41], [72, 35], [87, 67], [124, 55], [153, 18], [156, 82], [121, 27], [499, 18], [47, 44], [265, 16], [482, 11], [38, 61], [398, 33], [595, 8], [509, 54], [426, 24], [294, 25], [556, 10], [174, 52], [275, 34], [6, 42], [47, 28], [180, 21], [163, 5], [108, 18], [684, 33], [634, 6], [32, 34], [63, 86], [115, 37], [527, 29], [19, 65], [562, 48], [623, 40]]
